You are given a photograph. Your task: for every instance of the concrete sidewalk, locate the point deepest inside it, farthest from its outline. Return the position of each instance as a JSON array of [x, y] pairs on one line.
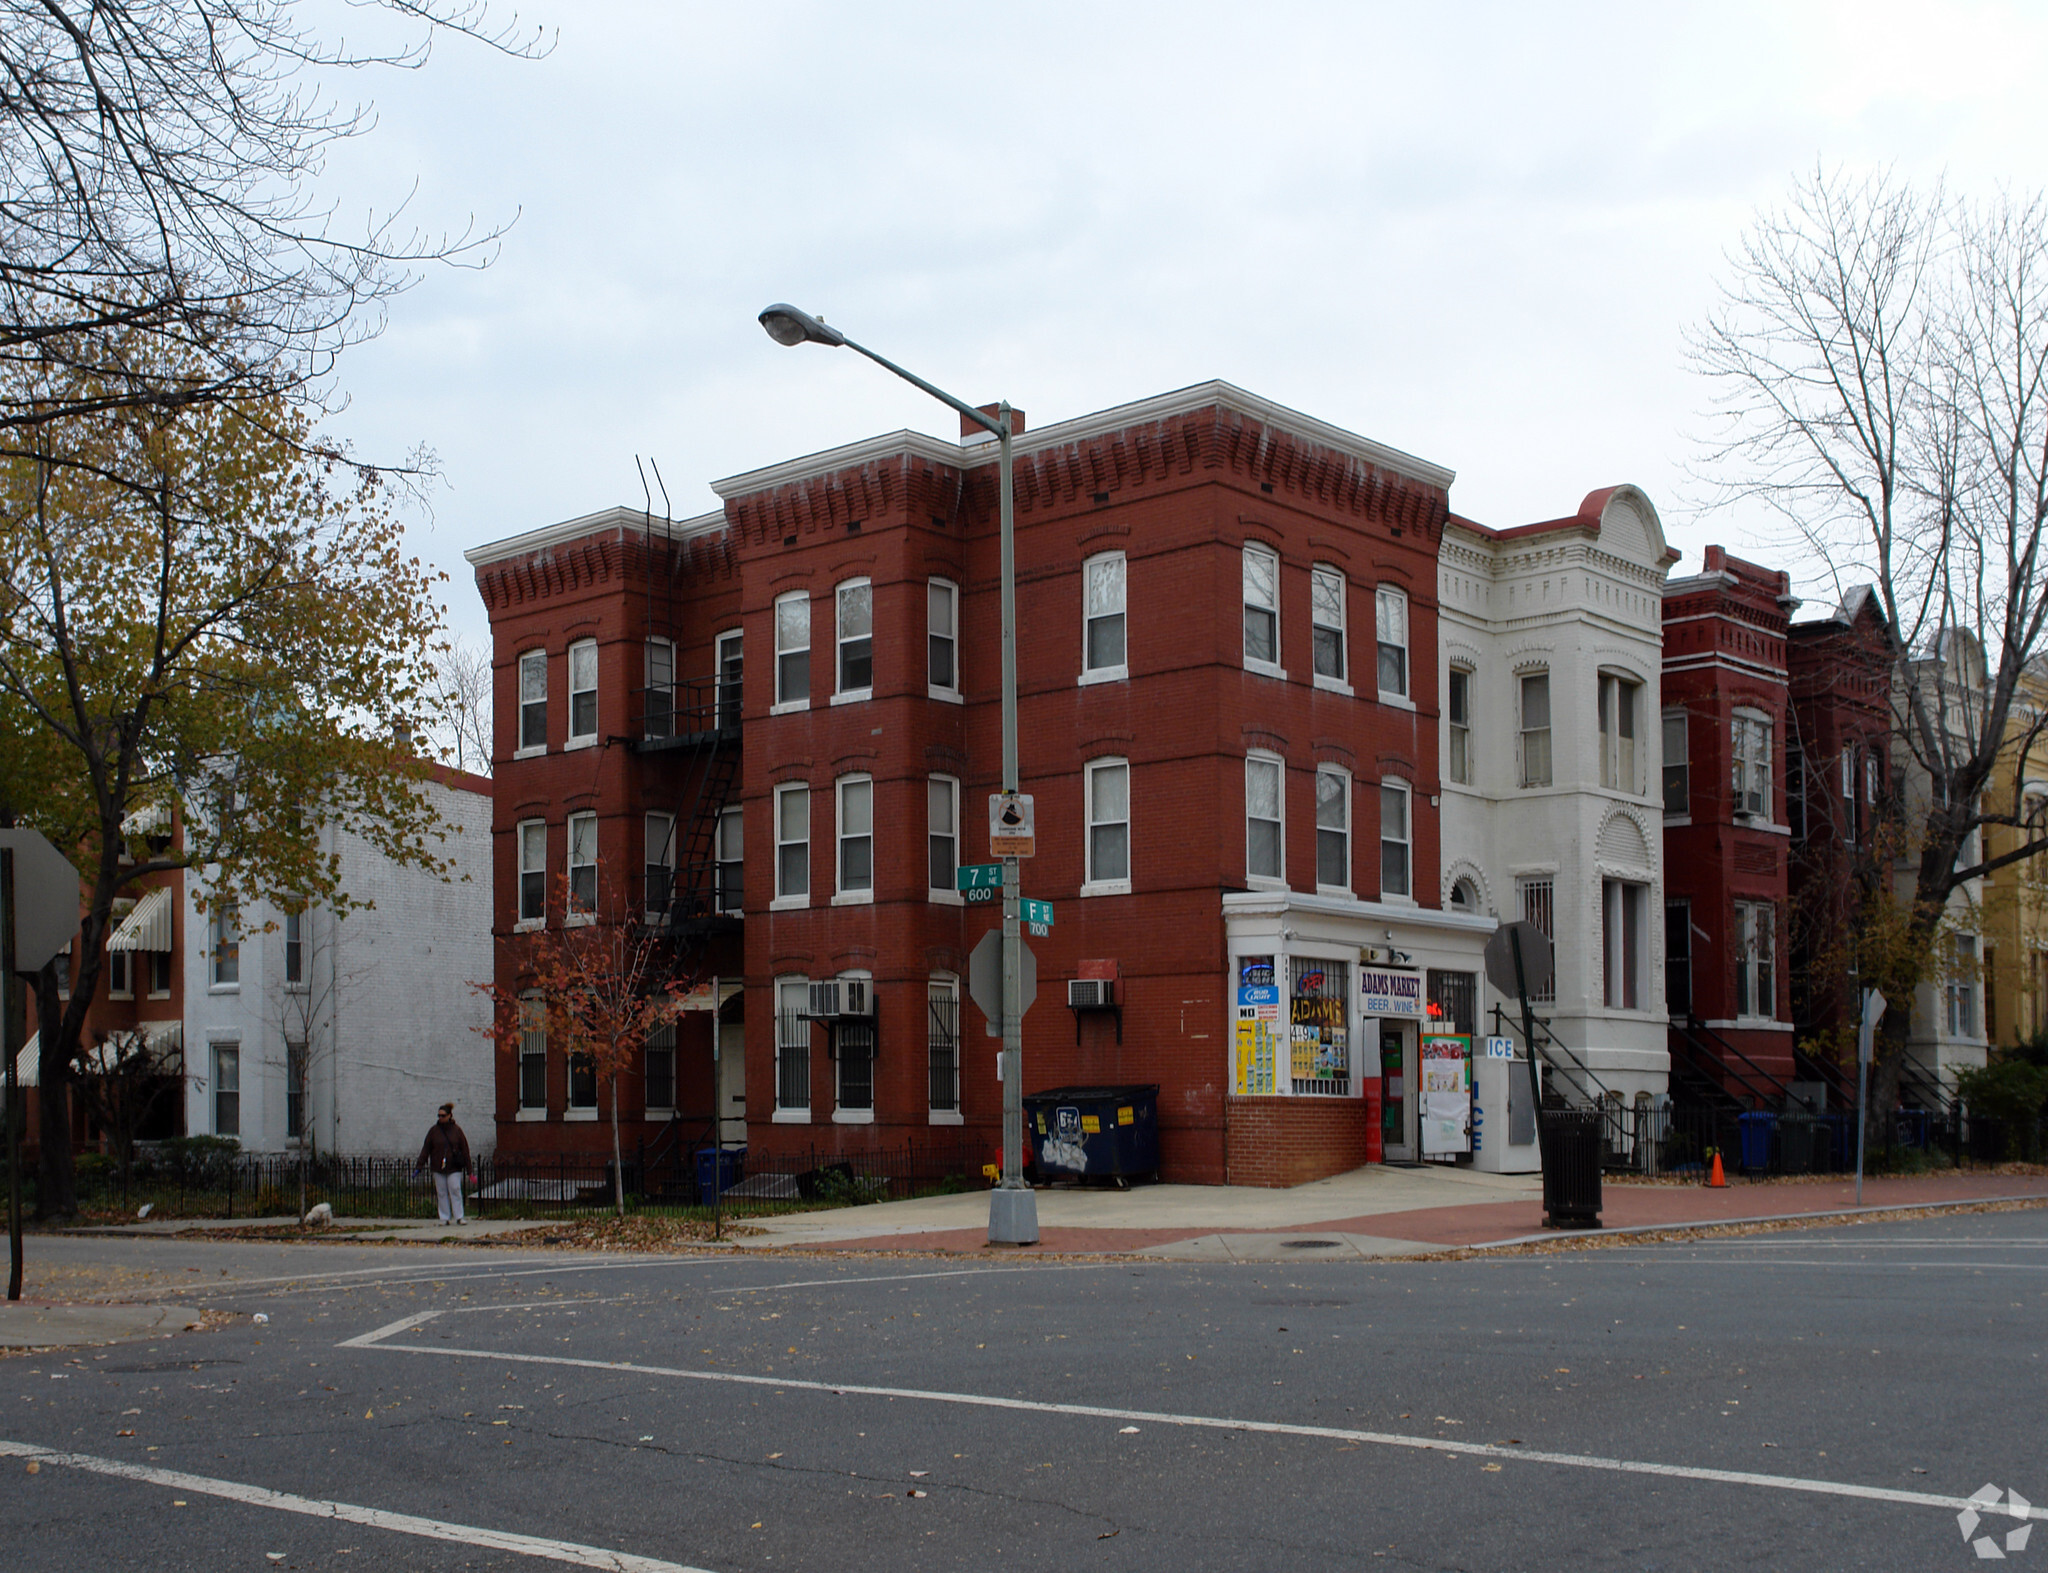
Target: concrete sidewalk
[[351, 1231], [1370, 1212]]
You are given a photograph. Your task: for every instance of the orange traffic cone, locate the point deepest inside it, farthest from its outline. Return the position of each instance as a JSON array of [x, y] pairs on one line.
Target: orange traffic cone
[[1717, 1178]]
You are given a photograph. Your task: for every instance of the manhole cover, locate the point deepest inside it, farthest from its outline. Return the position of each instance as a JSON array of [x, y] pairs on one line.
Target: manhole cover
[[1310, 1245]]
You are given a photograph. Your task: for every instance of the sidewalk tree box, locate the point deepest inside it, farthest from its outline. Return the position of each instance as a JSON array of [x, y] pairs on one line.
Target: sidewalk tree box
[[1089, 1132]]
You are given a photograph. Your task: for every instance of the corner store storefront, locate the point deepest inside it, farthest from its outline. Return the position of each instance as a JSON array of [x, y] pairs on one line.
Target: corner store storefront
[[1330, 1003]]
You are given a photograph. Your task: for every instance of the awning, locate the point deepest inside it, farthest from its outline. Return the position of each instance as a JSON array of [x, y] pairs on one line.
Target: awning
[[152, 816], [148, 927], [163, 1036]]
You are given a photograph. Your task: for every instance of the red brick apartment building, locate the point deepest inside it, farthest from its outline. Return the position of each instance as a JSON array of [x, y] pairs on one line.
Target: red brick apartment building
[[1726, 830], [781, 723]]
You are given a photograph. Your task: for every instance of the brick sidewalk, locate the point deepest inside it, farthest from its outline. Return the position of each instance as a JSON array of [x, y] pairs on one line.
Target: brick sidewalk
[[1481, 1223]]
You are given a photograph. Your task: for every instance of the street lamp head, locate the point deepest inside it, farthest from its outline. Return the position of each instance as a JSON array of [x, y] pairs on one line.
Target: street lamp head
[[787, 325]]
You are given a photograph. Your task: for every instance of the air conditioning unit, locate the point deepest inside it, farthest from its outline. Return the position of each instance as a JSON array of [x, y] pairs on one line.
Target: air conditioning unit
[[1091, 993], [835, 998], [824, 1000], [1752, 803]]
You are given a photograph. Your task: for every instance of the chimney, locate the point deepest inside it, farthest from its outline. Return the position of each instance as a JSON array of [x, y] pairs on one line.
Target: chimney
[[970, 432]]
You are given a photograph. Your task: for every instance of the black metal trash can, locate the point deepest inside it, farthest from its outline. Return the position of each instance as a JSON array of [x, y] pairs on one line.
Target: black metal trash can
[[1571, 1140], [1084, 1132]]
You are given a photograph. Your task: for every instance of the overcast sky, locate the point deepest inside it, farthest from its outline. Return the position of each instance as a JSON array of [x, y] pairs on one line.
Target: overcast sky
[[1477, 233]]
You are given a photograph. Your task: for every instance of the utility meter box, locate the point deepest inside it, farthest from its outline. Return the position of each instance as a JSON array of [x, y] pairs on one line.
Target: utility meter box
[[1503, 1110]]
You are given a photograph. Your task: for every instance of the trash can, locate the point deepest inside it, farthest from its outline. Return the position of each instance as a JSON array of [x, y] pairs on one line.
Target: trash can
[[731, 1169], [1753, 1138], [1571, 1143], [1086, 1132]]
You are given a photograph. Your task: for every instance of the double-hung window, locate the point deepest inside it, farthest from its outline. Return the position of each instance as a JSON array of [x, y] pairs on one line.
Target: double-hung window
[[1326, 624], [793, 844], [582, 866], [1458, 708], [658, 705], [658, 1063], [1395, 836], [1756, 983], [1390, 616], [294, 1089], [582, 1088], [730, 655], [1539, 906], [793, 650], [224, 946], [295, 949], [856, 838], [1261, 609], [227, 1089], [1620, 698], [660, 865], [533, 702], [1962, 987], [533, 1056], [583, 693], [532, 835], [856, 640], [1535, 735], [120, 974], [942, 638], [1677, 766], [1626, 917], [1333, 830], [731, 856], [942, 836], [792, 1049], [853, 1063], [942, 1047], [1108, 791], [1751, 734], [1265, 837], [1103, 654]]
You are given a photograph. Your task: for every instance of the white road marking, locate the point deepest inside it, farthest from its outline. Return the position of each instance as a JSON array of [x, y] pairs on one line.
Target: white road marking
[[388, 1330], [1659, 1259], [348, 1513], [1623, 1466]]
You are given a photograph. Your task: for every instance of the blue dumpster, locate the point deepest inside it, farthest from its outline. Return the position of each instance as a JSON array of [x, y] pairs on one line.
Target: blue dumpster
[[1112, 1132], [1753, 1135], [731, 1168]]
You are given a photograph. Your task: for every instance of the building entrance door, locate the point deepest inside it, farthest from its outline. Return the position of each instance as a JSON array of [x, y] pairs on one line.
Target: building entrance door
[[732, 1083], [1397, 1092]]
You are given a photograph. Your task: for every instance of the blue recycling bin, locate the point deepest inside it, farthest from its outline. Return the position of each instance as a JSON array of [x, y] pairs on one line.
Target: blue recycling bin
[[1753, 1136], [731, 1169]]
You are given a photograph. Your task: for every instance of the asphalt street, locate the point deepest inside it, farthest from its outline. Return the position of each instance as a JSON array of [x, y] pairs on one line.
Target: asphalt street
[[1818, 1399]]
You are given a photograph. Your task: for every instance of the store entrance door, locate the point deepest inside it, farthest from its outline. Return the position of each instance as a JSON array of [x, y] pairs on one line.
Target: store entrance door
[[1397, 1092]]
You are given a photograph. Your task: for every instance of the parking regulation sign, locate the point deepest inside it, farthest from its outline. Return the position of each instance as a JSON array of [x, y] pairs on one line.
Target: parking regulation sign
[[1011, 831]]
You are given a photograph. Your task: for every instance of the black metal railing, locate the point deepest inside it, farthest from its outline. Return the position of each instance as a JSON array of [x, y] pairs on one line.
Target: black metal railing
[[687, 709]]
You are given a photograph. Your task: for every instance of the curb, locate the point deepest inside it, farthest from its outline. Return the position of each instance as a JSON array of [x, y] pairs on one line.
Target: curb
[[1729, 1223]]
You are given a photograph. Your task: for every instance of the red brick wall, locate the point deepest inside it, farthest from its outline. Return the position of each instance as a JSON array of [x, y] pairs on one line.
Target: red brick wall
[[1290, 1141]]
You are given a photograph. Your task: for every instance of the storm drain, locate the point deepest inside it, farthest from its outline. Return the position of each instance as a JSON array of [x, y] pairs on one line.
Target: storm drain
[[1310, 1245]]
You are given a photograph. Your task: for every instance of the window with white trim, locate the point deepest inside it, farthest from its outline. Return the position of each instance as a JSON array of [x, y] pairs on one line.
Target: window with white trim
[[729, 656], [942, 835], [793, 1046], [793, 842], [942, 1042], [1458, 711], [1961, 989], [120, 974], [1265, 837], [533, 702], [793, 649], [853, 1063], [295, 1089], [1390, 619], [856, 639], [856, 836], [658, 1069], [294, 949], [1625, 913], [583, 692], [1333, 829], [532, 836], [582, 1087], [1108, 792], [1756, 979], [1620, 699], [1534, 688], [658, 702], [1261, 608], [1396, 851], [533, 1052], [1103, 652], [1677, 766], [582, 865], [227, 1089], [942, 637], [1326, 621], [1539, 906], [659, 864], [224, 945], [731, 858], [1751, 735]]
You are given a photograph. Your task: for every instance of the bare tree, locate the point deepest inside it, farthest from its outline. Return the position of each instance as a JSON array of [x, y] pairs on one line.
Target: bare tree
[[460, 733], [1881, 362], [156, 210]]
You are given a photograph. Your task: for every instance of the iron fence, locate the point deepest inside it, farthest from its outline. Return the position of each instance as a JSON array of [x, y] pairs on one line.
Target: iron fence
[[183, 1180], [1683, 1140]]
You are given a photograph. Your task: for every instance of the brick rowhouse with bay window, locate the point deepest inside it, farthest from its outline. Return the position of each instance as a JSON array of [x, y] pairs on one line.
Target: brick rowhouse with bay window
[[1228, 717]]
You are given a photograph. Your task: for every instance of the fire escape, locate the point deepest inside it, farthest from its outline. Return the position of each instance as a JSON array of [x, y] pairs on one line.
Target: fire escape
[[690, 732]]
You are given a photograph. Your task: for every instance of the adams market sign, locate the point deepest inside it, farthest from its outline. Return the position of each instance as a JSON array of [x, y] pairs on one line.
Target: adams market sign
[[1387, 993]]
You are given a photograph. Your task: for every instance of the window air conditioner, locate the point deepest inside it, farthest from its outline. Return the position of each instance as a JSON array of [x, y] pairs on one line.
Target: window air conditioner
[[824, 1000], [856, 997], [1091, 993], [1752, 803]]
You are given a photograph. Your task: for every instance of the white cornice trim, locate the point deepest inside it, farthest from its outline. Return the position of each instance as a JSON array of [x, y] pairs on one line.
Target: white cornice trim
[[621, 518], [1278, 903], [1182, 401]]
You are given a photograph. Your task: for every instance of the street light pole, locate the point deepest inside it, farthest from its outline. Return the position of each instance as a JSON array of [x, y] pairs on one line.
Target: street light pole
[[1013, 1207]]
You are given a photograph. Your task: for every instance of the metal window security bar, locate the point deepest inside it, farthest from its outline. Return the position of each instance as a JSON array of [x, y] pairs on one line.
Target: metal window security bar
[[1319, 1027]]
